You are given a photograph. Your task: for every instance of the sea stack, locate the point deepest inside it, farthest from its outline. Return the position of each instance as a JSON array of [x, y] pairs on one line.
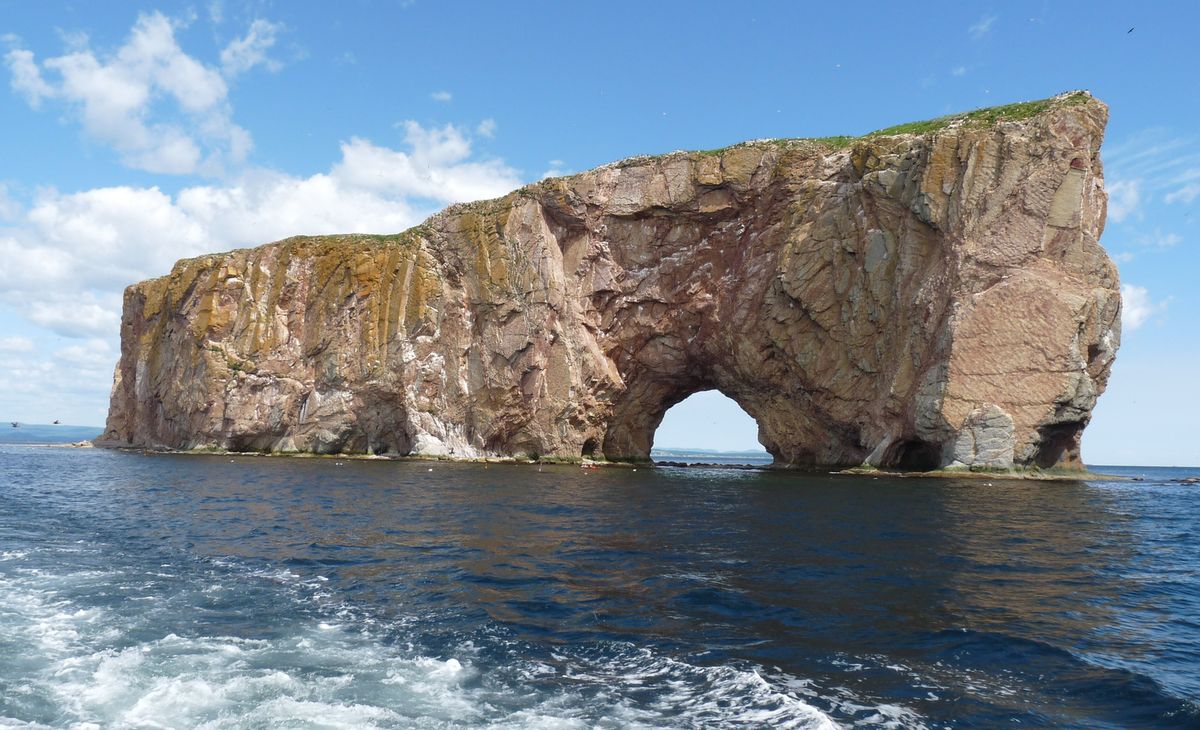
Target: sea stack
[[928, 296]]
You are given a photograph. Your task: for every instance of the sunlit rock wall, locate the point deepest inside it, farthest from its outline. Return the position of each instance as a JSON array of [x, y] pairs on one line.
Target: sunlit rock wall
[[911, 300]]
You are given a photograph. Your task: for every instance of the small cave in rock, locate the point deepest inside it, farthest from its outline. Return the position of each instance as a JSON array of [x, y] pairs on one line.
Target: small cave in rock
[[1059, 445], [589, 448], [708, 427], [250, 442], [915, 455]]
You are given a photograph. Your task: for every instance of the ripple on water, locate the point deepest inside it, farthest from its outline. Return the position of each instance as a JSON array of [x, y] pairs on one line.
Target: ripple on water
[[144, 591]]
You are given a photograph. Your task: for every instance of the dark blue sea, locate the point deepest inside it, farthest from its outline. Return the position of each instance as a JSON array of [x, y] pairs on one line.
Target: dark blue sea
[[154, 591]]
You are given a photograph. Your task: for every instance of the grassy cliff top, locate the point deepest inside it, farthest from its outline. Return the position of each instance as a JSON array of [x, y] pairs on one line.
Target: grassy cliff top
[[979, 118], [985, 117], [988, 116]]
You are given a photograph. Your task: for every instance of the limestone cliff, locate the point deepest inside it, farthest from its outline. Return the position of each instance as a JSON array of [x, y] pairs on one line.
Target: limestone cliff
[[930, 295]]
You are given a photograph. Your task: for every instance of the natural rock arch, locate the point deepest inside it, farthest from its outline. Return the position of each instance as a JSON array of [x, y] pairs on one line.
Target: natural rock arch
[[912, 300], [706, 420], [637, 436]]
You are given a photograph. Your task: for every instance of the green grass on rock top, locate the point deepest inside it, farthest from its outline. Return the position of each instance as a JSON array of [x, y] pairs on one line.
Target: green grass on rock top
[[977, 118], [988, 116]]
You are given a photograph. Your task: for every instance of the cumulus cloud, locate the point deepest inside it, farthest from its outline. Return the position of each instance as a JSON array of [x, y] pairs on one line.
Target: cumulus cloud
[[436, 168], [65, 262], [160, 109], [72, 318], [27, 78], [66, 256], [107, 237], [244, 53], [1124, 197], [1137, 306], [442, 96]]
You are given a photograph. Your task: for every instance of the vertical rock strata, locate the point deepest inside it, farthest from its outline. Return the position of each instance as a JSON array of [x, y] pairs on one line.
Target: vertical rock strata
[[906, 300]]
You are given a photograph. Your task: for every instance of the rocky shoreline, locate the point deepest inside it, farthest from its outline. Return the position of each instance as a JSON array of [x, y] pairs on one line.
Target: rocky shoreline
[[862, 471]]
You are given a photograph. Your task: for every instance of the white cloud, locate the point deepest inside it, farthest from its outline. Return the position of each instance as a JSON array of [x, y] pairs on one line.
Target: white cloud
[[1137, 306], [74, 318], [244, 53], [442, 96], [982, 27], [16, 344], [26, 78], [19, 375], [1186, 194], [91, 354], [958, 71], [557, 169], [67, 259], [1158, 239], [1124, 197], [119, 99], [264, 206], [66, 256], [216, 12], [1123, 257], [73, 40], [9, 208], [72, 385], [108, 237], [437, 167]]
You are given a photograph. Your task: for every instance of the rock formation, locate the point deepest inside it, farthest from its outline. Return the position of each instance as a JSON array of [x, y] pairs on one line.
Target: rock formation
[[927, 296]]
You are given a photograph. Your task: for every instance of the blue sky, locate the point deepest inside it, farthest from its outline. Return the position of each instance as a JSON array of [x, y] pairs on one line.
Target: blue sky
[[138, 133]]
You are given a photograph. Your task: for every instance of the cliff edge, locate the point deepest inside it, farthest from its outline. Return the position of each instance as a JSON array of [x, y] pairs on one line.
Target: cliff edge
[[931, 295]]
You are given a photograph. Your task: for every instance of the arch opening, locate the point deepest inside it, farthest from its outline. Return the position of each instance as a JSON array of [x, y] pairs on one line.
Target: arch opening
[[708, 427]]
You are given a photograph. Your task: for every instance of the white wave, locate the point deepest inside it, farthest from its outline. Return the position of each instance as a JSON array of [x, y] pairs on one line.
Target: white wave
[[698, 696], [80, 662]]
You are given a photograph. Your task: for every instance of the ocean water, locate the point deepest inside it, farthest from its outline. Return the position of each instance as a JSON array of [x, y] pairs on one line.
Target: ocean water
[[151, 591], [705, 456]]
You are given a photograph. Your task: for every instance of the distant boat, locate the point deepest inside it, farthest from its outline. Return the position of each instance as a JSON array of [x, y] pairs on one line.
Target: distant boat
[[15, 424], [56, 422]]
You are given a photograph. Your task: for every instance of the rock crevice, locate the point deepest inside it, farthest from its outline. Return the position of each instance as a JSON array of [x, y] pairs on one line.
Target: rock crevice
[[914, 300]]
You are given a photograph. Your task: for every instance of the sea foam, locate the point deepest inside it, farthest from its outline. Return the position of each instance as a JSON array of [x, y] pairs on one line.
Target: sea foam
[[78, 656]]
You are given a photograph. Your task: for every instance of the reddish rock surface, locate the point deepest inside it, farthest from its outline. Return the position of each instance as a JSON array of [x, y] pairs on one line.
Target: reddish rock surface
[[912, 300]]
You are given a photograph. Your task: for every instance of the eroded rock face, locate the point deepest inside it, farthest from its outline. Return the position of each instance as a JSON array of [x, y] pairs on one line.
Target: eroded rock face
[[909, 300]]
